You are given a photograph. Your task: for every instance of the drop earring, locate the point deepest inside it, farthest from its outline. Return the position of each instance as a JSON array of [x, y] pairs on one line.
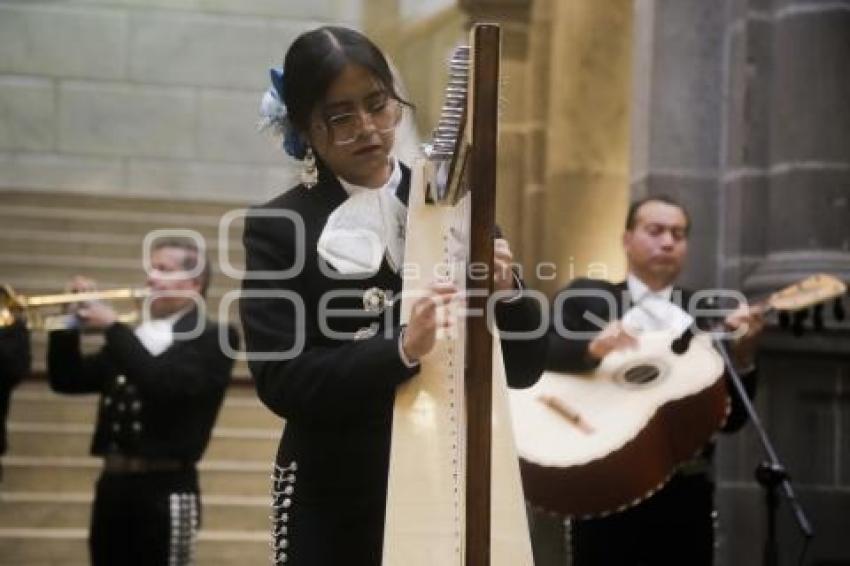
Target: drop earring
[[310, 173]]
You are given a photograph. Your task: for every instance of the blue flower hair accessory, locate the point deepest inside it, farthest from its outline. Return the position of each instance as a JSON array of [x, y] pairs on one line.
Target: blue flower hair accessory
[[274, 115]]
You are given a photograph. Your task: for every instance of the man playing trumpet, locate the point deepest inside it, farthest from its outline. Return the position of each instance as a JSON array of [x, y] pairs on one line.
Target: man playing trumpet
[[161, 385]]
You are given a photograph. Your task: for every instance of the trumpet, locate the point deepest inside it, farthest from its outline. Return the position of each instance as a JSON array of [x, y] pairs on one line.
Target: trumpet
[[38, 311]]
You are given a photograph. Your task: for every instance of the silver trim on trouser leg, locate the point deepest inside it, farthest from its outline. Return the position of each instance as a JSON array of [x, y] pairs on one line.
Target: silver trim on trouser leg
[[283, 487], [183, 508]]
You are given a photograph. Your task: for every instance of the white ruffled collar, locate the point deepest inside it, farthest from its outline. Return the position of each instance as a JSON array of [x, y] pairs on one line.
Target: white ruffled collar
[[367, 227], [653, 310], [157, 334]]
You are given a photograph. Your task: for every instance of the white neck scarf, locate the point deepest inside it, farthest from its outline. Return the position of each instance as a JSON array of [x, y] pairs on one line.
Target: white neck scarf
[[369, 225], [652, 310], [157, 334]]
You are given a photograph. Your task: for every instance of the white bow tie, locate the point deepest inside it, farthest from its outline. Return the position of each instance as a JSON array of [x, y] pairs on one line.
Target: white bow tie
[[369, 225], [155, 335], [653, 312]]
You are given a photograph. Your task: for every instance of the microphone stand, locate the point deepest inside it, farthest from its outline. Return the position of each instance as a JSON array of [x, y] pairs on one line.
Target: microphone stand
[[770, 474]]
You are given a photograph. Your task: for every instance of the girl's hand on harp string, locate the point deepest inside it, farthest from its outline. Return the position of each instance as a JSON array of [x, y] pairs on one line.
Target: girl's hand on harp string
[[425, 319]]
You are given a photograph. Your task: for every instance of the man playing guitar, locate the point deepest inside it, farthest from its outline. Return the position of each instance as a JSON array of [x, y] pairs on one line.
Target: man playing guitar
[[676, 524]]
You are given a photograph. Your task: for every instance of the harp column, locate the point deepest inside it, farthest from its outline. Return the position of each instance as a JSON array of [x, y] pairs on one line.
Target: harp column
[[520, 129]]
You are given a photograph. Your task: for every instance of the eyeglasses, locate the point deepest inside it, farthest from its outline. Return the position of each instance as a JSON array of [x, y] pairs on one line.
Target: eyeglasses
[[384, 113]]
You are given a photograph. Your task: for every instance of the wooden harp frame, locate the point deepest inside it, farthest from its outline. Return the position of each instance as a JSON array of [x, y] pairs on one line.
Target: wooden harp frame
[[490, 526]]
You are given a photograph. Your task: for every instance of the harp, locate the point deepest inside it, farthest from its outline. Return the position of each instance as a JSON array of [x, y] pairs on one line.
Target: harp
[[455, 494]]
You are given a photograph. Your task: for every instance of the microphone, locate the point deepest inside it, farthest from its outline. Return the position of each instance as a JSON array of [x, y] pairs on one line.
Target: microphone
[[681, 344]]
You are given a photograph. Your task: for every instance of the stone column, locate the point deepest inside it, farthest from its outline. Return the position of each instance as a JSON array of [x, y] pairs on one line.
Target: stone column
[[586, 158], [799, 166], [677, 117], [785, 201]]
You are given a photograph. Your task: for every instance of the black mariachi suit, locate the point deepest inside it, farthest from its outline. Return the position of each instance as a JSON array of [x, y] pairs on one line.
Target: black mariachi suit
[[14, 366], [336, 395], [675, 526], [159, 409]]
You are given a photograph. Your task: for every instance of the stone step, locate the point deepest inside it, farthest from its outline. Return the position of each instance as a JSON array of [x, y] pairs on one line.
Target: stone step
[[219, 477], [67, 547], [69, 440], [113, 202], [126, 246], [126, 222], [60, 268], [56, 510], [51, 285], [33, 403]]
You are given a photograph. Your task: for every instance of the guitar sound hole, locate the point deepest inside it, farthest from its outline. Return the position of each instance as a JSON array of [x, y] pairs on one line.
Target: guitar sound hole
[[642, 374]]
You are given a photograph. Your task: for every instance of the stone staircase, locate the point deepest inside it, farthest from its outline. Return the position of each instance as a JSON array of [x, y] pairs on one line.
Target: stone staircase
[[46, 238], [46, 494]]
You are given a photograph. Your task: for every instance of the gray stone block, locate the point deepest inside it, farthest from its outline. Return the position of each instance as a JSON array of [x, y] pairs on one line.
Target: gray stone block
[[227, 129], [347, 11], [747, 204], [810, 116], [50, 171], [801, 416], [206, 50], [126, 5], [328, 10], [748, 95], [810, 209], [685, 123], [123, 119], [62, 41], [795, 7], [27, 114], [191, 179]]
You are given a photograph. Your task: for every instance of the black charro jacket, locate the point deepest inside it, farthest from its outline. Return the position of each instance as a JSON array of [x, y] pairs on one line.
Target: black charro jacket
[[154, 407], [337, 393]]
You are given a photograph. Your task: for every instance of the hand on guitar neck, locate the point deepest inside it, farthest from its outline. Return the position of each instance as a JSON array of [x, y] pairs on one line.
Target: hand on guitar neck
[[747, 322]]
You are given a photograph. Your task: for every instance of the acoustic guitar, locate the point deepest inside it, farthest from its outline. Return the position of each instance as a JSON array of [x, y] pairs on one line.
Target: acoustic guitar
[[596, 443]]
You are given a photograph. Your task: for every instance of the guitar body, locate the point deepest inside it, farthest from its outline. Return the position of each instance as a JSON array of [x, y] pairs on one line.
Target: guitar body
[[597, 443]]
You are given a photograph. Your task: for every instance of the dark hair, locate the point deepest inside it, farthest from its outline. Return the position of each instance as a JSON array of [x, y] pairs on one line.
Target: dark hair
[[631, 216], [193, 256], [317, 57]]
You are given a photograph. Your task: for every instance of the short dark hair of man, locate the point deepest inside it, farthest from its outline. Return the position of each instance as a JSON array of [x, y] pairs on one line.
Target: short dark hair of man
[[193, 256], [634, 207]]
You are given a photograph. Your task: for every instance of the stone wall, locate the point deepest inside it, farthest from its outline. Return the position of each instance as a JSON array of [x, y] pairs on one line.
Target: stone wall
[[146, 97], [742, 113]]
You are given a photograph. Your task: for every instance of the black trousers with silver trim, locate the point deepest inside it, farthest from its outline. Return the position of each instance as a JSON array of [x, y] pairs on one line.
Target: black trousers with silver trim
[[145, 518]]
